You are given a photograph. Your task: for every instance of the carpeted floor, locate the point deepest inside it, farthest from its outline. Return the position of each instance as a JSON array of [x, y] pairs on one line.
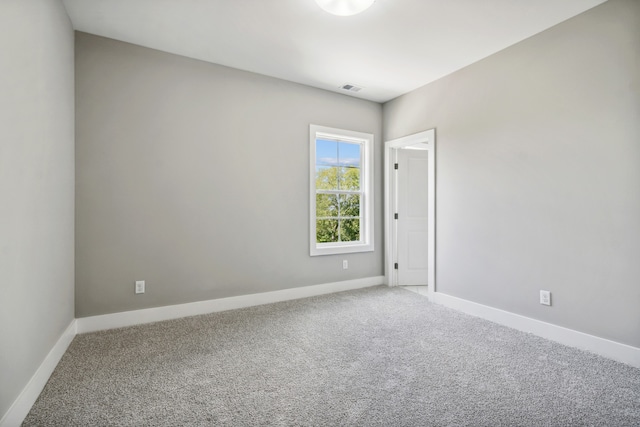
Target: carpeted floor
[[373, 357]]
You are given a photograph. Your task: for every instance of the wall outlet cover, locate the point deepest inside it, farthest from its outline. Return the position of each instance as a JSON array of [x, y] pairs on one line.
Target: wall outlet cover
[[545, 297], [140, 286]]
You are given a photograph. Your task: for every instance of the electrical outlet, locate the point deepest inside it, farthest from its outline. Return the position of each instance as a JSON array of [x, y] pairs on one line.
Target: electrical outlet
[[345, 264], [139, 286], [545, 297]]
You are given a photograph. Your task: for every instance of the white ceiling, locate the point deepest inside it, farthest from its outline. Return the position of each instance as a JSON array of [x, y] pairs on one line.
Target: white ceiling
[[390, 49]]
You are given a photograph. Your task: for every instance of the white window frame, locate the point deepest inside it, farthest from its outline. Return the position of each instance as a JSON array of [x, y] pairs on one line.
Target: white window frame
[[366, 185]]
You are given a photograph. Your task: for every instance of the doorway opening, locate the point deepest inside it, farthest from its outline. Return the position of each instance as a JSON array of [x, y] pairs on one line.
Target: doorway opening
[[410, 168]]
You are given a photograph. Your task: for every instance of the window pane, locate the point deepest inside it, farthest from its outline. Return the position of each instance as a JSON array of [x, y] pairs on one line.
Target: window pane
[[326, 230], [326, 152], [350, 230], [340, 176], [349, 205], [349, 154], [350, 178], [327, 177], [326, 205]]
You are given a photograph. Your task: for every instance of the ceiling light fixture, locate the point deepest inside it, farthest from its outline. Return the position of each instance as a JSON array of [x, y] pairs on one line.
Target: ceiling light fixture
[[345, 7]]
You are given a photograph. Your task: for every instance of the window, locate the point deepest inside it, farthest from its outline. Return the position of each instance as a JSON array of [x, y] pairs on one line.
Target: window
[[341, 196]]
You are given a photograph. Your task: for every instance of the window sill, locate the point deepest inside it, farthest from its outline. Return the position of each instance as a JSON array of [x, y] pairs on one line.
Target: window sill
[[340, 249]]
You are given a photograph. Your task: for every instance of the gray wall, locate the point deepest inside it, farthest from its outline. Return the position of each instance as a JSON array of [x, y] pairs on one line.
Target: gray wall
[[194, 177], [36, 187], [538, 173]]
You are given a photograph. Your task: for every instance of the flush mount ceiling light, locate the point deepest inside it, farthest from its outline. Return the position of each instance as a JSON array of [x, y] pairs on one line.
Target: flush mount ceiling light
[[345, 7]]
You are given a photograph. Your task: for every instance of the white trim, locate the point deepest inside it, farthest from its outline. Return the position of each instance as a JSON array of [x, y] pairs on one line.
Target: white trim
[[420, 139], [137, 317], [601, 346], [23, 403], [366, 244]]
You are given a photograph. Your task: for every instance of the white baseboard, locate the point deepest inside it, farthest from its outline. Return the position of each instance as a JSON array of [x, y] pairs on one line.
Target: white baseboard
[[21, 406], [601, 346], [148, 315]]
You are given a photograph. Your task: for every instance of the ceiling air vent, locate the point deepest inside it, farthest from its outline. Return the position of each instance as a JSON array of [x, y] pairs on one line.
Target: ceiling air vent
[[351, 88]]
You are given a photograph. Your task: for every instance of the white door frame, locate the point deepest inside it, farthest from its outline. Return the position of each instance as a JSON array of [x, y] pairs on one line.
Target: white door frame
[[427, 137]]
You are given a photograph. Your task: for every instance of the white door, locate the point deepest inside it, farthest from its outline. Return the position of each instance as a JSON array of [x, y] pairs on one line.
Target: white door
[[412, 222]]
